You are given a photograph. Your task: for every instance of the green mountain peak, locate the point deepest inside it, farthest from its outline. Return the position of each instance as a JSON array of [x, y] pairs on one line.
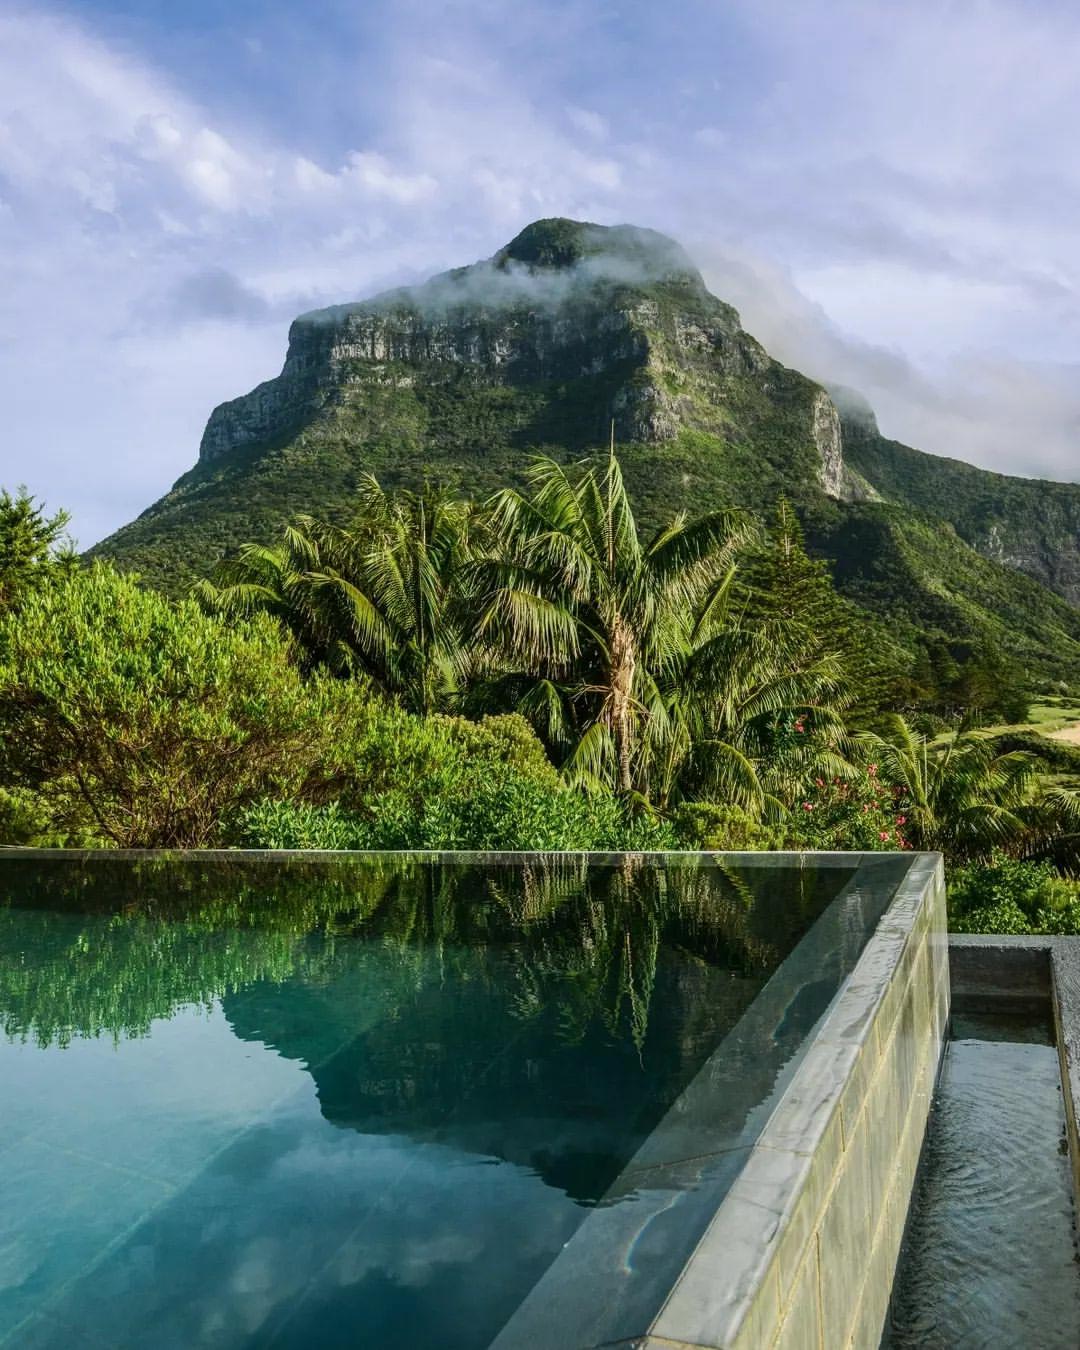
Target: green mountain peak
[[559, 243], [538, 349]]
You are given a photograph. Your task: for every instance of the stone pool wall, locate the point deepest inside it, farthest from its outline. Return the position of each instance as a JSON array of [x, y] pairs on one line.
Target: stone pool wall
[[801, 1253]]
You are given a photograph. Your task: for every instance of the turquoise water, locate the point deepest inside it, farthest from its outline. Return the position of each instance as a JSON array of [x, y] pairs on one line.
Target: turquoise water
[[367, 1102], [990, 1257]]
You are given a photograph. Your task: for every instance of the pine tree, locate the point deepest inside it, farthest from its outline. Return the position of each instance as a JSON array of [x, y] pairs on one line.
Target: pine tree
[[30, 542], [785, 585]]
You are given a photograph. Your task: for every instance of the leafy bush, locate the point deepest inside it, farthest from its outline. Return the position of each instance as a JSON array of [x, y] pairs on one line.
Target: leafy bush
[[517, 812], [481, 811], [143, 721], [1010, 895], [26, 820], [709, 825], [271, 823], [405, 781]]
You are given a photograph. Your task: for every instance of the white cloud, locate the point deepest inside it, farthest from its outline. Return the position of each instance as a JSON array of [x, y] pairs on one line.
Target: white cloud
[[987, 407], [887, 193], [375, 174], [590, 123]]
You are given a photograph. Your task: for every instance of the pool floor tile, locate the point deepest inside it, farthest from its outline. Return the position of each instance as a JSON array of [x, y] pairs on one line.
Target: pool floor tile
[[59, 1215]]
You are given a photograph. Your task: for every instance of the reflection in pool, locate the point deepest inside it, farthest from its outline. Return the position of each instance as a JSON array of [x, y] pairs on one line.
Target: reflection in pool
[[366, 1100]]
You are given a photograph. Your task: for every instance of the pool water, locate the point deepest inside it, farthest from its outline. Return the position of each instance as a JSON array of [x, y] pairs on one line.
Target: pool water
[[990, 1256], [365, 1102]]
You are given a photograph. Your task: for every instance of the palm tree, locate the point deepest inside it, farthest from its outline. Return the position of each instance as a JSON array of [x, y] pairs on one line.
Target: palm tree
[[966, 799], [382, 598], [277, 579], [757, 713], [595, 624]]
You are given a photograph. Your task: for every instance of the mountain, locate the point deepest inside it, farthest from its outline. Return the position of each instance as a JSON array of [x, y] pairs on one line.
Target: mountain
[[537, 350]]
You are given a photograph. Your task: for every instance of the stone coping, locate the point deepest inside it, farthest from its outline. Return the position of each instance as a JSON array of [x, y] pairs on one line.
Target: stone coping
[[767, 1217], [1006, 972], [756, 858]]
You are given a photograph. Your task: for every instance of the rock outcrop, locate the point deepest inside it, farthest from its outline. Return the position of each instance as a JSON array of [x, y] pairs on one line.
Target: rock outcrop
[[621, 307]]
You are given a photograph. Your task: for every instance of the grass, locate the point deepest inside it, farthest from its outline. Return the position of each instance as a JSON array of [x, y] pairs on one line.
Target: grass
[[1045, 718]]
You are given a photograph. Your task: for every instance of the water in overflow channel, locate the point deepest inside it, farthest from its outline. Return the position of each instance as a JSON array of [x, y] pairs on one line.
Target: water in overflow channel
[[990, 1258], [294, 1102]]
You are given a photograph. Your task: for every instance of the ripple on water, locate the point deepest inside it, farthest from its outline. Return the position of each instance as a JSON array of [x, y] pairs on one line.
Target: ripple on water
[[990, 1258]]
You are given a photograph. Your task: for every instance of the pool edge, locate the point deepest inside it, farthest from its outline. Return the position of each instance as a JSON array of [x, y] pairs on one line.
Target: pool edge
[[824, 1194]]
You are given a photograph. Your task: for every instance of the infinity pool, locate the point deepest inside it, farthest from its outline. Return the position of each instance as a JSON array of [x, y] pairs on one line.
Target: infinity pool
[[367, 1100]]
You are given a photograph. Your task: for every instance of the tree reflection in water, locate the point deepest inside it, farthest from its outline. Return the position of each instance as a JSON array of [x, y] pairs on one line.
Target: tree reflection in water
[[107, 947], [546, 1012]]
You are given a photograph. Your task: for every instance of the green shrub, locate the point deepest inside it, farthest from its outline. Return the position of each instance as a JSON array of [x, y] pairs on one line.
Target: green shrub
[[146, 722], [405, 781], [1005, 916], [27, 820], [1011, 895], [709, 825], [862, 813], [509, 813], [290, 824]]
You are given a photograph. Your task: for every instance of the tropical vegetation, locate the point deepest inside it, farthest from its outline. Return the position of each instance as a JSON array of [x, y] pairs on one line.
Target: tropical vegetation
[[533, 671]]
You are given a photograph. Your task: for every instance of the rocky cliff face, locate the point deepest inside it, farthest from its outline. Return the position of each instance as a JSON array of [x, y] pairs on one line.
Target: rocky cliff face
[[825, 428], [622, 308]]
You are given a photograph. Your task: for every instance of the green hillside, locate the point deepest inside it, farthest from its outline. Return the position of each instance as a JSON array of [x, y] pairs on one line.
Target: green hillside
[[1026, 523]]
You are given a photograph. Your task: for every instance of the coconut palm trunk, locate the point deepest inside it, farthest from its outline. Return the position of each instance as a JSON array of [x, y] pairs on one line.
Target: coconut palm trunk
[[621, 700]]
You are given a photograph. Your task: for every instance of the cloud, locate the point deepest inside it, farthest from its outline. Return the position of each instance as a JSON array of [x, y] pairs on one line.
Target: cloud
[[989, 408], [374, 173], [589, 123], [887, 193], [213, 293]]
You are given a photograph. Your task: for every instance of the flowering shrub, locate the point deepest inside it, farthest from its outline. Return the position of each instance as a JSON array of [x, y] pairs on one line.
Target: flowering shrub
[[860, 813]]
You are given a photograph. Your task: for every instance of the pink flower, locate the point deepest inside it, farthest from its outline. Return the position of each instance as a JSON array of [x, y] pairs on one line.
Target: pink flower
[[884, 834], [901, 820], [807, 806], [819, 782], [872, 770]]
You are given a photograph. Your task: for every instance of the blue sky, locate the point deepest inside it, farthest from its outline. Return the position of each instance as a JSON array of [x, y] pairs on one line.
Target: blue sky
[[887, 190]]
